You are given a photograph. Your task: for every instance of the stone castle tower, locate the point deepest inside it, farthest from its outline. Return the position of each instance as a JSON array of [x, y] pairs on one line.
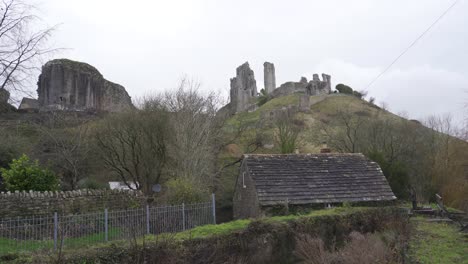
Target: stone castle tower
[[244, 88], [269, 77], [70, 85]]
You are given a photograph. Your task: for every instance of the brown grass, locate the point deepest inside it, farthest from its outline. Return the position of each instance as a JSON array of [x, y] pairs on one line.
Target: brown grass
[[360, 249]]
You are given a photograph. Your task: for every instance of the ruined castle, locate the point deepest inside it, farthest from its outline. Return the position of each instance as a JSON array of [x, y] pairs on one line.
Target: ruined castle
[[75, 86], [244, 93]]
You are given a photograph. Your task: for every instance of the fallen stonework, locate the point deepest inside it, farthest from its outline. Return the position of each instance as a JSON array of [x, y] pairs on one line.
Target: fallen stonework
[[313, 87], [4, 98], [244, 88], [70, 85]]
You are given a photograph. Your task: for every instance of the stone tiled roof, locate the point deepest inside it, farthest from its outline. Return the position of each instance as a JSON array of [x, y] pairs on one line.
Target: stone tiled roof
[[317, 178]]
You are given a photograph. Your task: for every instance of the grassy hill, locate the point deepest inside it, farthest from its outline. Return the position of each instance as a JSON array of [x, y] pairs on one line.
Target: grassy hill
[[399, 145]]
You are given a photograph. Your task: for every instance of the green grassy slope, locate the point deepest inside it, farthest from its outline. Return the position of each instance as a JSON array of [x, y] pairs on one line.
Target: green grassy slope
[[324, 113], [433, 242]]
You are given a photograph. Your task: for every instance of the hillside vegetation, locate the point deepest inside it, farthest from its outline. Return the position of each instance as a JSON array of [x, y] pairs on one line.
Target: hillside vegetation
[[416, 159]]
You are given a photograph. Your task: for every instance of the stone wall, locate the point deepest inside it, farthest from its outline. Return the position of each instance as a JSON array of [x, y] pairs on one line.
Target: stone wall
[[245, 200], [69, 202], [4, 96], [269, 77], [243, 89], [313, 87], [243, 93]]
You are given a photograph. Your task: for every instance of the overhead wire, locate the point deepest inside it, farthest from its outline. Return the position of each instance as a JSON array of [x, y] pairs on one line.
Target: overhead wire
[[412, 44]]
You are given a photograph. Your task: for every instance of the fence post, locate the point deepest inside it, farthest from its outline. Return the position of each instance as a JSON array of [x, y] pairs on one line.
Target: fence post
[[213, 205], [183, 216], [106, 225], [55, 230], [147, 220]]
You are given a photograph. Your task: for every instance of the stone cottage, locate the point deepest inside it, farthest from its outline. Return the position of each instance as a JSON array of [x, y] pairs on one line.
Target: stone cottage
[[269, 181]]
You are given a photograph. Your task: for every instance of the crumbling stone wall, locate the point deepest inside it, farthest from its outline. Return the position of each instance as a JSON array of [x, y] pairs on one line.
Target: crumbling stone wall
[[4, 105], [243, 89], [4, 96], [69, 202], [313, 87], [269, 77], [70, 85]]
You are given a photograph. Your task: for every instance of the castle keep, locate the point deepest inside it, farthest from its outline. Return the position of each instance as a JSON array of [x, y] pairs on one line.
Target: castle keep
[[243, 93], [70, 85]]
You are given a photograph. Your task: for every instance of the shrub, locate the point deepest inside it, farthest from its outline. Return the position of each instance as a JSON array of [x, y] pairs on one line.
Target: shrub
[[357, 94], [312, 250], [365, 249], [344, 89], [360, 249], [287, 133], [90, 183], [262, 97], [181, 190], [25, 175]]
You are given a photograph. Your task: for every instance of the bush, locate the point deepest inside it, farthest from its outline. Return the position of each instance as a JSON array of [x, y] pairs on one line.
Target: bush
[[396, 173], [360, 249], [262, 97], [89, 183], [344, 89], [25, 175], [182, 190], [357, 94]]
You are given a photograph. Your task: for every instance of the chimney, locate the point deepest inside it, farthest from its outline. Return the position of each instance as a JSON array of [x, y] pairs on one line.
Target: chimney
[[325, 148]]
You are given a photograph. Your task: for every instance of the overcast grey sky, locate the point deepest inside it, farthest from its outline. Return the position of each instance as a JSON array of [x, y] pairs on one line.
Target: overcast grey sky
[[148, 45]]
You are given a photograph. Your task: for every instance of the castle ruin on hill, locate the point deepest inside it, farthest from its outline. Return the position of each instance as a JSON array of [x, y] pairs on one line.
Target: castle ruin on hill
[[75, 86], [244, 94]]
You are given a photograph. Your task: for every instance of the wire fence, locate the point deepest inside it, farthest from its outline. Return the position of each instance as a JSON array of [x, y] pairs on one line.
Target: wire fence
[[49, 232]]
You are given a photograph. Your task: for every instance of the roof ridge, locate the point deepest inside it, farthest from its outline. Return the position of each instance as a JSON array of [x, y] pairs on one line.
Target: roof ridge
[[305, 154]]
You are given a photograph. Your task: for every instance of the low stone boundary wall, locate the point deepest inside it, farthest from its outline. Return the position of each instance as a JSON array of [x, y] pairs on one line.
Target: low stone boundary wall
[[20, 204]]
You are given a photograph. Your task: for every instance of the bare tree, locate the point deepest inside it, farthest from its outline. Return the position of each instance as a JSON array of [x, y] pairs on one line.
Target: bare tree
[[196, 130], [287, 132], [133, 146], [345, 138], [21, 47], [67, 135]]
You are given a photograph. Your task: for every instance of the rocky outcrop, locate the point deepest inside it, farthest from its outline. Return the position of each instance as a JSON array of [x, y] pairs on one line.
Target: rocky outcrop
[[243, 89], [269, 77], [71, 85]]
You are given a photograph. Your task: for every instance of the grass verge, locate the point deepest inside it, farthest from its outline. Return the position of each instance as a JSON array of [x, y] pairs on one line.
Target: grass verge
[[433, 242]]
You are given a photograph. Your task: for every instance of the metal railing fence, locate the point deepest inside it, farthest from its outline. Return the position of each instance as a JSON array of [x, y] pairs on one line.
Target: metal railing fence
[[55, 231]]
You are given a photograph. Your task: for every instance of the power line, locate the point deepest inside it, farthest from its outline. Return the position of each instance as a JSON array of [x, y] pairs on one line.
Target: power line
[[412, 44]]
